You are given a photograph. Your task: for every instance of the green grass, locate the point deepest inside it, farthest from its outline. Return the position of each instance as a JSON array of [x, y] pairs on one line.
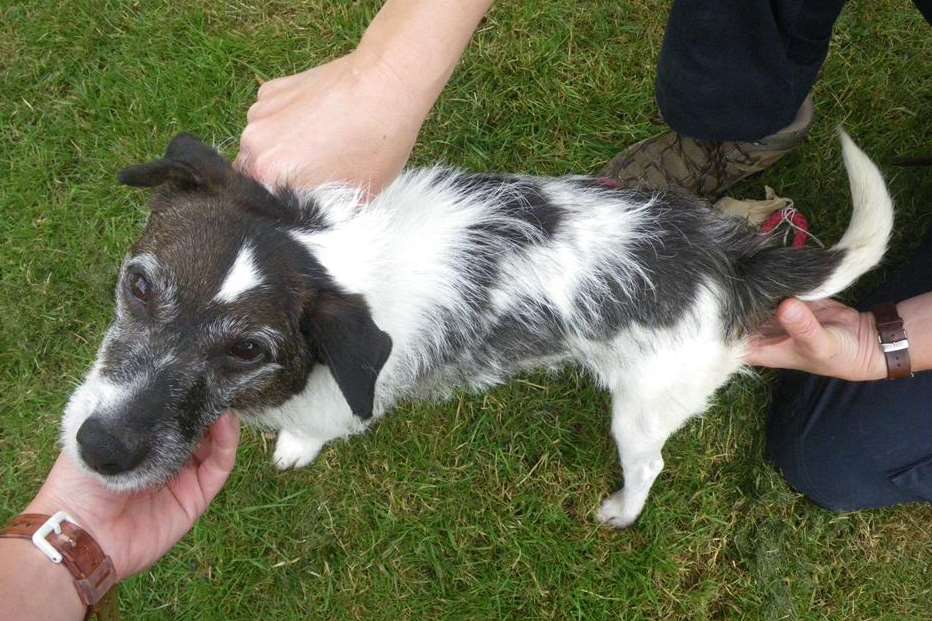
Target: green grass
[[479, 508]]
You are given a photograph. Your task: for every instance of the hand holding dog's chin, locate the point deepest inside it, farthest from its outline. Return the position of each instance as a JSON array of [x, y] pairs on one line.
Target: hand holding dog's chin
[[137, 529], [351, 121], [823, 337]]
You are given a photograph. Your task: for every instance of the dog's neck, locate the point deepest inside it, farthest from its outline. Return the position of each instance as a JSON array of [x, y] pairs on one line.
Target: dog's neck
[[391, 251]]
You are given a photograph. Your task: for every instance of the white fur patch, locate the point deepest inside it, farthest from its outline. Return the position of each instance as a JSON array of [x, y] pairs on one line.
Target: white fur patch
[[95, 394], [293, 451], [243, 276], [865, 240]]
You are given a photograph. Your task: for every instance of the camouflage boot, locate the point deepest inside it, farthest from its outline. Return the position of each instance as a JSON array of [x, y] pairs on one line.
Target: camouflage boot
[[672, 161]]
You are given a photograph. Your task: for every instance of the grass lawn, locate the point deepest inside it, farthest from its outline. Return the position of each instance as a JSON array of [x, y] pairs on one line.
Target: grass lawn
[[479, 508]]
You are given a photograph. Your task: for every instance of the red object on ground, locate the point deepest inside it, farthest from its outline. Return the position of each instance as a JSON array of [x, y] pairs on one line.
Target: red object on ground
[[796, 221]]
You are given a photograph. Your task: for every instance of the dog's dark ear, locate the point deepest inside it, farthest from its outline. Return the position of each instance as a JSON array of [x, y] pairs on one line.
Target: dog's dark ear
[[341, 330], [188, 164]]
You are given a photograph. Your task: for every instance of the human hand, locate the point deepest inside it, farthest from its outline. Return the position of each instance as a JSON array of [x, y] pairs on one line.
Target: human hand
[[137, 529], [351, 120], [823, 337]]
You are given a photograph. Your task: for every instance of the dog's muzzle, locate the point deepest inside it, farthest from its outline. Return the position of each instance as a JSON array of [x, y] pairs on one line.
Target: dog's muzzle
[[107, 451]]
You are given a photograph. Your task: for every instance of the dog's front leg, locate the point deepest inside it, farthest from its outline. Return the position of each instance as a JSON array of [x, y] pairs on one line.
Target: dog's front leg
[[309, 420], [293, 450]]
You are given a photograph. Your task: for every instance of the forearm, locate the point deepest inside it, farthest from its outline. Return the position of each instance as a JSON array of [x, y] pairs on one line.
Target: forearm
[[421, 41], [917, 319], [355, 119], [33, 587]]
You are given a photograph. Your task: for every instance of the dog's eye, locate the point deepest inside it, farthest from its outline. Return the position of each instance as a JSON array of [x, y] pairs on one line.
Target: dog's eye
[[247, 350], [139, 287]]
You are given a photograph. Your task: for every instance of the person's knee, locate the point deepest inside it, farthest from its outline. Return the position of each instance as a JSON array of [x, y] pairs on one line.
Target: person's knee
[[789, 457], [810, 441], [841, 444], [785, 451]]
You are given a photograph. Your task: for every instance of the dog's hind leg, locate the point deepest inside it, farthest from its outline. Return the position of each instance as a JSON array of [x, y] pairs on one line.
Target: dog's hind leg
[[647, 407], [640, 433]]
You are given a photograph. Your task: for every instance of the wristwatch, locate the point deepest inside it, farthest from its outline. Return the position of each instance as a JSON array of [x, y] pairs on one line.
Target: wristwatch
[[61, 539], [893, 340]]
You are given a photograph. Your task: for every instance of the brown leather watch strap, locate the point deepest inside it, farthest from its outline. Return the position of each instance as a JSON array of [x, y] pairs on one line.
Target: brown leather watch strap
[[893, 340], [93, 571]]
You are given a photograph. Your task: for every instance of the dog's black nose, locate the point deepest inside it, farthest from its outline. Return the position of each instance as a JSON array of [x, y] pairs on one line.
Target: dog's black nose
[[104, 451]]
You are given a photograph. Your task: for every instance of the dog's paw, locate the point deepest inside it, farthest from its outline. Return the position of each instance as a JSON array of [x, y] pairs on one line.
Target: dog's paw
[[612, 512], [292, 451]]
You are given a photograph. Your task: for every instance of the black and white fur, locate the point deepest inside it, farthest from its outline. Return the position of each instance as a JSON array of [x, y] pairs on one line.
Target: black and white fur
[[446, 280]]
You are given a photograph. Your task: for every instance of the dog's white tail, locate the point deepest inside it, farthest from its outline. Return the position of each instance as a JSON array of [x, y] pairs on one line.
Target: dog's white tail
[[865, 241]]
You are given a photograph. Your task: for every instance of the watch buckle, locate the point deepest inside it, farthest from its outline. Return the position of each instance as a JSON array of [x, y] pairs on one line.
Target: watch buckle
[[53, 524]]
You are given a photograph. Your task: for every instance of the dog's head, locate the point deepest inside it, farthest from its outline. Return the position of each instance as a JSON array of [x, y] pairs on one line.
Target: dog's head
[[217, 306]]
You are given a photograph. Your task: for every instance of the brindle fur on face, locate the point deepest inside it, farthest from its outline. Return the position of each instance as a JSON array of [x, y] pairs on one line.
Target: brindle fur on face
[[217, 307], [196, 241]]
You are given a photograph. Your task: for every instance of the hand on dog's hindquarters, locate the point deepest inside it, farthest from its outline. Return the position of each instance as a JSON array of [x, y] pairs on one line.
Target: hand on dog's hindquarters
[[137, 529], [823, 337]]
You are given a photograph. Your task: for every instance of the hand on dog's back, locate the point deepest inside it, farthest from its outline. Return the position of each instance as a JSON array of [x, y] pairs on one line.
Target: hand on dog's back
[[331, 123]]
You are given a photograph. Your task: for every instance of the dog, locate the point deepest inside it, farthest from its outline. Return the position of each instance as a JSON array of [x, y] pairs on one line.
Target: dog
[[312, 312]]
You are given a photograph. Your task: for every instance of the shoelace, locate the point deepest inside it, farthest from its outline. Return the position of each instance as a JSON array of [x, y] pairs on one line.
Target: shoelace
[[795, 221]]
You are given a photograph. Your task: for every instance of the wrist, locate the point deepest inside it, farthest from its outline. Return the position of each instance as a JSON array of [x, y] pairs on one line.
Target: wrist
[[47, 504], [876, 363], [57, 552], [916, 313], [402, 95], [33, 586], [420, 42]]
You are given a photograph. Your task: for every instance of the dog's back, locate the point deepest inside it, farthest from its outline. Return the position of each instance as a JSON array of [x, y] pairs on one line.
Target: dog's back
[[477, 277]]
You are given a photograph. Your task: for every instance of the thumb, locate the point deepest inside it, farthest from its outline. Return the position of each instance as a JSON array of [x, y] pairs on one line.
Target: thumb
[[243, 160], [801, 324]]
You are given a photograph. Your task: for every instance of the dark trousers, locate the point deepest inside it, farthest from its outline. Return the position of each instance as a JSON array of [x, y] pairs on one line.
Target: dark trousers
[[740, 69], [858, 445]]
